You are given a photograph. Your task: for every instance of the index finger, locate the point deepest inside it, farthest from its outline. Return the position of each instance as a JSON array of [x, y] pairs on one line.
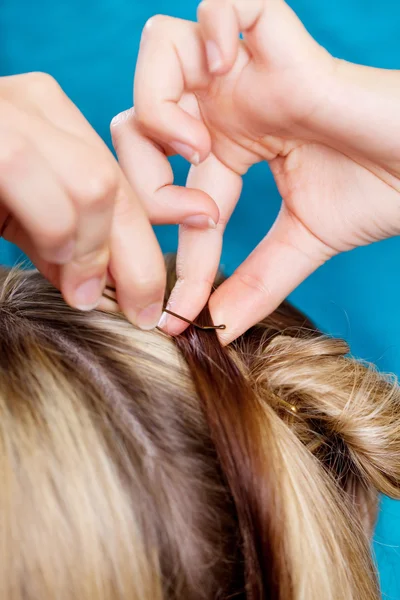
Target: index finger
[[171, 61], [221, 23], [199, 251], [151, 176], [262, 23], [137, 264]]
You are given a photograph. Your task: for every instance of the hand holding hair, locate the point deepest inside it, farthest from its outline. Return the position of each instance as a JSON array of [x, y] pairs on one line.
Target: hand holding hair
[[66, 203], [329, 131]]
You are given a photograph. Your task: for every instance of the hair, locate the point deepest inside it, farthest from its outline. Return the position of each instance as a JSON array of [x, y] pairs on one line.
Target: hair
[[134, 465]]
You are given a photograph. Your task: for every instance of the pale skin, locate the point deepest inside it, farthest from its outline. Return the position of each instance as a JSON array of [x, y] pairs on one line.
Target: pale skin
[[66, 203], [330, 131]]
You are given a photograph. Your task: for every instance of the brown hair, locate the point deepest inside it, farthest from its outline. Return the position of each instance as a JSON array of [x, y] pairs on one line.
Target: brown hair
[[138, 466]]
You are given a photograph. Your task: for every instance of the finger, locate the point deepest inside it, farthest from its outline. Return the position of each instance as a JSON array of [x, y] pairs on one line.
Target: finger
[[94, 187], [137, 264], [14, 233], [151, 176], [261, 22], [89, 177], [33, 194], [135, 252], [92, 181], [221, 22], [136, 258], [171, 61], [199, 251], [286, 256]]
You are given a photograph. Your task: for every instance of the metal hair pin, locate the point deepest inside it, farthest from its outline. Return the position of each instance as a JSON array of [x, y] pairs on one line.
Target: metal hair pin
[[202, 327]]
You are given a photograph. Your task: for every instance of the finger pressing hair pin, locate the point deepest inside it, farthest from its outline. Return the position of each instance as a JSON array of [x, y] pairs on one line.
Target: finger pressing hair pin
[[193, 323]]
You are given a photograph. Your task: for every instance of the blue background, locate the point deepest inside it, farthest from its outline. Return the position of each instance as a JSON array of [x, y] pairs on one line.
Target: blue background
[[90, 46]]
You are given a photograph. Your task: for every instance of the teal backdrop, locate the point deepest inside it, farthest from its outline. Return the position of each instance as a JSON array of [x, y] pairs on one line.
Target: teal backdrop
[[90, 47]]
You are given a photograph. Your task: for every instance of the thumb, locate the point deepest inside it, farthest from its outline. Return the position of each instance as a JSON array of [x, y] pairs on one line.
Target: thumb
[[272, 31], [286, 256]]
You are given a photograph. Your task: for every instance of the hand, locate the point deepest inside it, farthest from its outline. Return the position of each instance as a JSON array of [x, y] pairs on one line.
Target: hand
[[66, 203], [276, 96]]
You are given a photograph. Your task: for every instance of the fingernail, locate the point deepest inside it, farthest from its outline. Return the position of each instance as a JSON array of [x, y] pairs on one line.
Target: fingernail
[[65, 254], [187, 152], [214, 57], [149, 317], [121, 117], [163, 321], [88, 294], [200, 222]]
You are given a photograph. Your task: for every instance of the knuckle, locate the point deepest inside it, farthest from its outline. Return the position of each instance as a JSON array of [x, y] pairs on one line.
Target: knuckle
[[41, 84], [13, 154], [145, 117], [150, 287], [149, 283], [145, 283], [202, 283], [96, 260], [208, 7], [54, 234], [254, 283], [155, 25], [204, 9], [99, 188]]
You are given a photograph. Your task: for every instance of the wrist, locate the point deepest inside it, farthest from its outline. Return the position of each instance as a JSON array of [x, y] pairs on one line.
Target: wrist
[[359, 115], [324, 89]]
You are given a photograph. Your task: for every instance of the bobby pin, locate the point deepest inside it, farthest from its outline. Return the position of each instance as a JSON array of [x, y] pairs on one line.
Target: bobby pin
[[203, 327], [284, 403], [288, 406]]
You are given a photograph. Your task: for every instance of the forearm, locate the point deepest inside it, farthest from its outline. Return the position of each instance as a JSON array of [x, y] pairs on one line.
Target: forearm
[[361, 114]]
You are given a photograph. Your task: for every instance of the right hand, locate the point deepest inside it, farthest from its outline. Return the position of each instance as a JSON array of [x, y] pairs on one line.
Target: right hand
[[328, 130], [66, 203]]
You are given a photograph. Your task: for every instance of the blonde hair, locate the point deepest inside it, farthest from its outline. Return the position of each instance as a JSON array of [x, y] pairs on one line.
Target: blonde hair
[[138, 466]]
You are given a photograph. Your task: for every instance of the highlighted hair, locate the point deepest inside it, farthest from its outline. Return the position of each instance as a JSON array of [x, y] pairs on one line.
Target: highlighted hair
[[138, 466]]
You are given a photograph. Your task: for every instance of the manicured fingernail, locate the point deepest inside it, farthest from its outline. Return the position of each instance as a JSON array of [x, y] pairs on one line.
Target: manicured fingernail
[[163, 321], [187, 152], [149, 317], [200, 222], [65, 254], [88, 295], [214, 57]]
